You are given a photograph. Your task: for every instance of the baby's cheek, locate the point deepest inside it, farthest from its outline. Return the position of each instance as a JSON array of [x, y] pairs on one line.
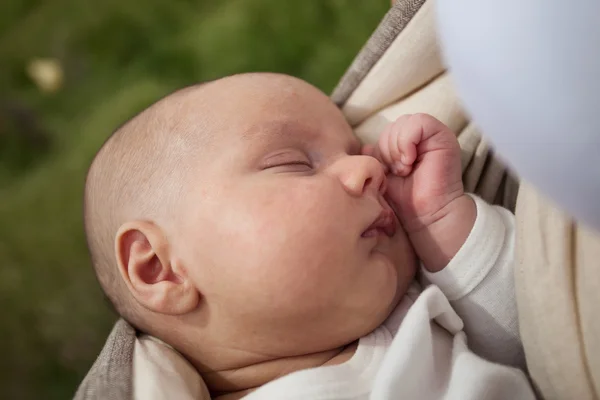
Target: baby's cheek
[[291, 241]]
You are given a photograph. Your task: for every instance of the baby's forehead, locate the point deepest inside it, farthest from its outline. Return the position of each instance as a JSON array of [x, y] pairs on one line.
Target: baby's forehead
[[280, 129], [277, 109], [299, 130]]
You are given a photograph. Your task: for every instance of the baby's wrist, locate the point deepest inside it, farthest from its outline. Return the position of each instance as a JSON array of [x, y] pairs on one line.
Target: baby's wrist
[[438, 211], [437, 242]]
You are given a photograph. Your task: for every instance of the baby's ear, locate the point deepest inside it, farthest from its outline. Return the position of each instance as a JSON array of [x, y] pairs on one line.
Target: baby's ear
[[145, 263]]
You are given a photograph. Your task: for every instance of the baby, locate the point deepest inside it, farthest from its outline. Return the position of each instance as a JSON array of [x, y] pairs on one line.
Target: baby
[[241, 222]]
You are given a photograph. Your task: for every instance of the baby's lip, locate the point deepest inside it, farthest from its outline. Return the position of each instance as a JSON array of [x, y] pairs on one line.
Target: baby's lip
[[385, 222]]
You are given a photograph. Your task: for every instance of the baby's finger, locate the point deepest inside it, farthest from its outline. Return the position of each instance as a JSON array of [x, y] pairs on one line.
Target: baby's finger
[[396, 166], [407, 140], [392, 144], [399, 167]]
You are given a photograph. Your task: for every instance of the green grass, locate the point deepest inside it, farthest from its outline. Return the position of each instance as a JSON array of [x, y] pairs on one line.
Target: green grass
[[119, 56]]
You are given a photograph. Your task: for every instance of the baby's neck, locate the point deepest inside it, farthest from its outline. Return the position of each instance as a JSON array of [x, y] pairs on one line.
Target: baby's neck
[[235, 383]]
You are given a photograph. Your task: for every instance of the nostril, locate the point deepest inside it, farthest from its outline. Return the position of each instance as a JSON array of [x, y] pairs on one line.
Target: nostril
[[376, 184]]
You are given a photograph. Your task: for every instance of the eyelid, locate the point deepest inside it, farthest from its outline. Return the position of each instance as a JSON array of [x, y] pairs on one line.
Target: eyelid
[[286, 157]]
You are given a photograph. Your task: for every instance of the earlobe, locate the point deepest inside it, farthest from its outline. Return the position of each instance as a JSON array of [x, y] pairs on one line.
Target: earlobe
[[155, 280]]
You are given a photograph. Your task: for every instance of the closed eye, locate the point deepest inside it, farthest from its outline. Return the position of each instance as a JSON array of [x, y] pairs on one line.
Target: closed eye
[[292, 166], [288, 160], [307, 163]]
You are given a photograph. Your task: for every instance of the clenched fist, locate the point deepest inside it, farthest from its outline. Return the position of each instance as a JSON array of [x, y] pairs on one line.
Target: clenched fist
[[422, 158]]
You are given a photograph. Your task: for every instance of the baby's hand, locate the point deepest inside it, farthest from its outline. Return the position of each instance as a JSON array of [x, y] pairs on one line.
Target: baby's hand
[[422, 156]]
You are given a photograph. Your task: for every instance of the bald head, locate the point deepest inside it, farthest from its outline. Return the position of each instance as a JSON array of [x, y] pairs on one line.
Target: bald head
[[137, 174], [141, 170]]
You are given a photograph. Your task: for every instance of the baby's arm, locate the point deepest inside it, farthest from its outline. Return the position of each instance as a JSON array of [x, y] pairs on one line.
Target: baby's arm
[[479, 283], [464, 244], [438, 242]]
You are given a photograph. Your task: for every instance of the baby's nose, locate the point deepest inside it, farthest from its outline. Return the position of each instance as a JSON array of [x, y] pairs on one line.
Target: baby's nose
[[364, 174]]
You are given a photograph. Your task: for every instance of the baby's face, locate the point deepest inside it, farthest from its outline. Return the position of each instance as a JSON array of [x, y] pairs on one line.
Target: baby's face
[[273, 230]]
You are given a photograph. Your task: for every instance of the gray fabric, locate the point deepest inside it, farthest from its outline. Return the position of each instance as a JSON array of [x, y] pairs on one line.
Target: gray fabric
[[110, 378], [483, 172], [392, 24]]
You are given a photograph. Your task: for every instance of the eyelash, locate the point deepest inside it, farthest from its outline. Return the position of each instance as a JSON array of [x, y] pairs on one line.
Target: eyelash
[[289, 159], [305, 163], [302, 166]]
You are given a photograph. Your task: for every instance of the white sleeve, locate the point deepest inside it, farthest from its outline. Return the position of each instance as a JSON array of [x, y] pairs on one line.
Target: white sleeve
[[479, 283]]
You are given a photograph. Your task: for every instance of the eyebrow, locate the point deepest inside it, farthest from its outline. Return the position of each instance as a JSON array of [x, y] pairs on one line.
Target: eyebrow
[[278, 129], [281, 129]]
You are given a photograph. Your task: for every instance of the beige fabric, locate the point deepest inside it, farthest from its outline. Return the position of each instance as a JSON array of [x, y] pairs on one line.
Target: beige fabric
[[411, 60], [160, 372], [558, 290], [437, 98]]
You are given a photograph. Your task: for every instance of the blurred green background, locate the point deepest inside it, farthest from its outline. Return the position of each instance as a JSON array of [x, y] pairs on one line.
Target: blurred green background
[[70, 72]]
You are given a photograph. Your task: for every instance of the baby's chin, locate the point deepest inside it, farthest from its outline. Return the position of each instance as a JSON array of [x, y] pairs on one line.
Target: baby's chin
[[389, 298]]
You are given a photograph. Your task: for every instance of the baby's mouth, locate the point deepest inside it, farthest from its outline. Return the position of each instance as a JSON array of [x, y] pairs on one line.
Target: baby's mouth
[[385, 224]]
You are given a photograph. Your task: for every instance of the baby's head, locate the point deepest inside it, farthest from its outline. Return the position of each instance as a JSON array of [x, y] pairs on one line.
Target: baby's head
[[229, 219]]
